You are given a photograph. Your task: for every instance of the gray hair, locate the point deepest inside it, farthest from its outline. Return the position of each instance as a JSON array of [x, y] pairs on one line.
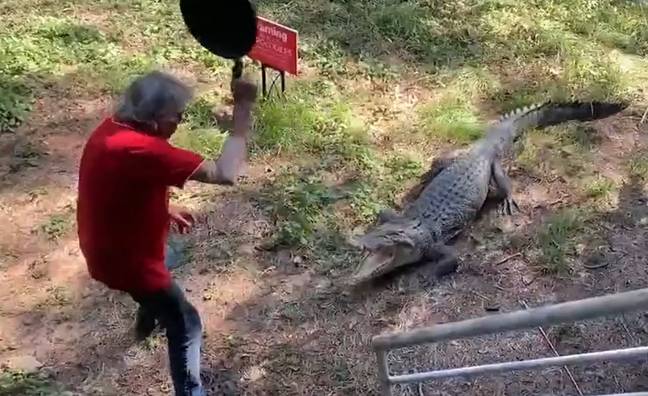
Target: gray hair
[[152, 97]]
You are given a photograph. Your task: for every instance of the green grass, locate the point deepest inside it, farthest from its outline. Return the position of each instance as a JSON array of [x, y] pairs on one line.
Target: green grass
[[582, 137], [638, 165], [565, 150], [467, 60], [556, 240], [48, 44], [313, 119], [599, 187], [377, 189], [452, 119], [26, 154], [112, 78], [376, 74], [200, 113], [58, 296], [20, 384], [302, 204], [41, 45], [15, 103], [561, 48], [58, 225], [40, 50], [199, 130], [298, 203], [454, 114], [207, 141]]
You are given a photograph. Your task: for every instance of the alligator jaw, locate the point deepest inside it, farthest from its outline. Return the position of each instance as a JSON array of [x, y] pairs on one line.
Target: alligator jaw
[[390, 246], [373, 265], [383, 260]]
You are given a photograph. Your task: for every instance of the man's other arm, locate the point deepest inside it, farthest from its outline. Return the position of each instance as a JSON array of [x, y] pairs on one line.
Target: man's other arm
[[226, 168]]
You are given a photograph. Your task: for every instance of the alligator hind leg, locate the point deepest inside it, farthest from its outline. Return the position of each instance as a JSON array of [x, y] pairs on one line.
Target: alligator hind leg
[[503, 189], [437, 166], [386, 215]]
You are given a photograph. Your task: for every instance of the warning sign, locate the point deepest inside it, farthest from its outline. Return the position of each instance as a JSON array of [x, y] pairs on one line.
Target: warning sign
[[276, 46]]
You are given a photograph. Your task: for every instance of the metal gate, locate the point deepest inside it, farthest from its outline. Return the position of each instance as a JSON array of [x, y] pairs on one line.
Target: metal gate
[[572, 311]]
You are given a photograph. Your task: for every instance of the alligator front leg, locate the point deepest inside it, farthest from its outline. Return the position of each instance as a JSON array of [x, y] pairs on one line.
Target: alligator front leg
[[442, 260], [503, 189]]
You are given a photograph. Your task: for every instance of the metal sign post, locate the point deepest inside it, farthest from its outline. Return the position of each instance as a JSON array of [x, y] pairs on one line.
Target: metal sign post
[[281, 75]]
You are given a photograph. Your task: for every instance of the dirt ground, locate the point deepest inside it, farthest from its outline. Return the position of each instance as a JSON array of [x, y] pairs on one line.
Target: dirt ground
[[272, 326]]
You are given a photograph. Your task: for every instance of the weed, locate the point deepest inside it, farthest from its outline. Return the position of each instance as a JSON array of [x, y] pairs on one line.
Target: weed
[[15, 103], [599, 187], [556, 240], [152, 343], [25, 154], [372, 193], [341, 371], [300, 203], [638, 166], [297, 204], [551, 152], [292, 311], [592, 75], [48, 43], [59, 296], [402, 168], [403, 21], [43, 45], [69, 34], [529, 157], [57, 225], [469, 83], [328, 57], [583, 136], [618, 25], [13, 384]]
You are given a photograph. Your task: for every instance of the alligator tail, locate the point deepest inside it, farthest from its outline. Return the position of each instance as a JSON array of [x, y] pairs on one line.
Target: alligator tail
[[511, 125]]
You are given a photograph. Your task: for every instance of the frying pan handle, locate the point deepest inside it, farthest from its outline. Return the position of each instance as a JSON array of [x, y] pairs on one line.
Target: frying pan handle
[[237, 69]]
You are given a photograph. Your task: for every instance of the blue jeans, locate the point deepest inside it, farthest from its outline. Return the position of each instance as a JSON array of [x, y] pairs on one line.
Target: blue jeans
[[175, 253], [184, 335]]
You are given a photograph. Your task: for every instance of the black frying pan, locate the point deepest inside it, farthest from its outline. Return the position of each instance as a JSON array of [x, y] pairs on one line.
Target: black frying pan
[[226, 28]]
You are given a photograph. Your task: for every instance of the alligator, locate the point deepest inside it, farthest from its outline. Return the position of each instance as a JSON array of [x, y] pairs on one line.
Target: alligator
[[454, 190]]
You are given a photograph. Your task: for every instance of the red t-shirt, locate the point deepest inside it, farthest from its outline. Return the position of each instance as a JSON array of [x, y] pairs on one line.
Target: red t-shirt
[[123, 205]]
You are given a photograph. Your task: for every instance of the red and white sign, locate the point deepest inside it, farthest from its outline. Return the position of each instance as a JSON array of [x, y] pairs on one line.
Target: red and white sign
[[276, 46]]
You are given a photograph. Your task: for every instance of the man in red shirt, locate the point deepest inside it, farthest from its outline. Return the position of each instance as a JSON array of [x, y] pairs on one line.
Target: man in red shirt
[[123, 211]]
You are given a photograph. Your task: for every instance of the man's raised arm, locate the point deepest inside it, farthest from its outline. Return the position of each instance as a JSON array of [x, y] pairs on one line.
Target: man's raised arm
[[226, 168]]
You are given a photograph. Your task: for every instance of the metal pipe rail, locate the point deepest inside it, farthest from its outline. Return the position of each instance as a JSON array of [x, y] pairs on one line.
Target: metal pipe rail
[[585, 309]]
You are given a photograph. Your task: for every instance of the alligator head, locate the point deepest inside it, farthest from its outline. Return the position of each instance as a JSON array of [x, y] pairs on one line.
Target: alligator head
[[390, 245]]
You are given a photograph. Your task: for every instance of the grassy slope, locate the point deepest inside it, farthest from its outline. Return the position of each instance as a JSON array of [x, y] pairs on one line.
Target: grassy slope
[[385, 85]]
